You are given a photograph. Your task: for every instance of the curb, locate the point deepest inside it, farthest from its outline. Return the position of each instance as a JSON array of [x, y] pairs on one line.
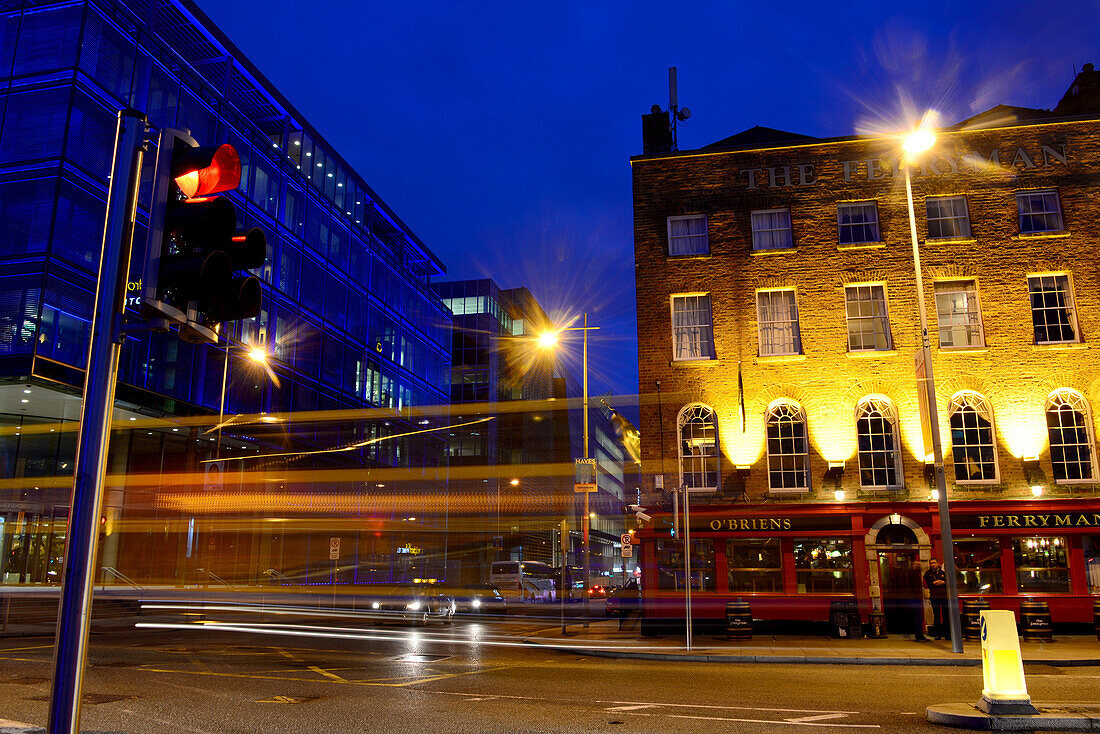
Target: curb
[[18, 727], [967, 716]]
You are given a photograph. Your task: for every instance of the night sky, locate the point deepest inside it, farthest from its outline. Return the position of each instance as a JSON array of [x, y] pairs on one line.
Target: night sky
[[501, 132]]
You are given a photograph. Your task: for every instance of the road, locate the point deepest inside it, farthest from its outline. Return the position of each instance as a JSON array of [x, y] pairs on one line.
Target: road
[[469, 677]]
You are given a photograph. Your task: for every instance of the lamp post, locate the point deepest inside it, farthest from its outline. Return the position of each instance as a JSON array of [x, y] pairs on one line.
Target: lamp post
[[548, 340], [917, 142]]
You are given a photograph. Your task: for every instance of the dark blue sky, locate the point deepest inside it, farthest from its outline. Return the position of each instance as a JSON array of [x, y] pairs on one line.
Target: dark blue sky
[[501, 132]]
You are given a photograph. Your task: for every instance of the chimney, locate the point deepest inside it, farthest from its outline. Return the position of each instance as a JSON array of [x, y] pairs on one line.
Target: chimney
[[656, 131], [1083, 96]]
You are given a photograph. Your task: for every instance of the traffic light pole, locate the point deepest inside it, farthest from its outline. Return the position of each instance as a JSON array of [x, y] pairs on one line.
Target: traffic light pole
[[74, 611]]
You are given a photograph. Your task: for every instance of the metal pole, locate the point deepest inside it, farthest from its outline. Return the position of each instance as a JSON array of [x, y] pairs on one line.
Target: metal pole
[[74, 609], [687, 570], [937, 449], [584, 404]]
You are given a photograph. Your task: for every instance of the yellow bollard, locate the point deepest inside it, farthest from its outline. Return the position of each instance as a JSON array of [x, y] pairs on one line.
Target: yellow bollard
[[1005, 690]]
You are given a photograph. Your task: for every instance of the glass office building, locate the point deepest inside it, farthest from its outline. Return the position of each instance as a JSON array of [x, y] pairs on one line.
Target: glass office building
[[349, 318]]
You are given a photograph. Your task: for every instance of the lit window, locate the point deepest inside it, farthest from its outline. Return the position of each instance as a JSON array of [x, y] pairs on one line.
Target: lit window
[[688, 235], [692, 335], [777, 316], [857, 222], [879, 447], [960, 317], [1052, 310], [868, 323], [972, 444], [698, 433], [947, 217], [771, 229], [1069, 425], [1040, 211], [788, 453]]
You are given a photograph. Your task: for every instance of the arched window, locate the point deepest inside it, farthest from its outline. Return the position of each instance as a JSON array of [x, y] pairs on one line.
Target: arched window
[[698, 433], [1069, 424], [879, 448], [788, 451], [973, 446]]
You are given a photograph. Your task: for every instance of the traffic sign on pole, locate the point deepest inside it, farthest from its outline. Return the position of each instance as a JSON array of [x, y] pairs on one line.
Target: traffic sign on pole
[[333, 549]]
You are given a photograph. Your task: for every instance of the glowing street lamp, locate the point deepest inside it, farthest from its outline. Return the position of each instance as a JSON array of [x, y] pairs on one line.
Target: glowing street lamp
[[918, 141]]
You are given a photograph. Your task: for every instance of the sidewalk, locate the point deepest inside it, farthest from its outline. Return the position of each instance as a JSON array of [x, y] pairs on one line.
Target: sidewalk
[[604, 639]]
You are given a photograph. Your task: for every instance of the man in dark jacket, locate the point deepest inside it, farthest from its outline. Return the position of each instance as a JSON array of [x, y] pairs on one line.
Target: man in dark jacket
[[936, 581]]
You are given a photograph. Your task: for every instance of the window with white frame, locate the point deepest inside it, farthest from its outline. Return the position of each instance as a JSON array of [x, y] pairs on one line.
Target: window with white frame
[[868, 322], [1069, 426], [1040, 211], [788, 449], [1052, 309], [771, 229], [947, 217], [877, 441], [973, 446], [958, 314], [777, 316], [857, 222], [692, 334], [688, 235], [697, 429]]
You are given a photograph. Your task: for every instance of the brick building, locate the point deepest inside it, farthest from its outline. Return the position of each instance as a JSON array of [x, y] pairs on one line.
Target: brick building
[[777, 328]]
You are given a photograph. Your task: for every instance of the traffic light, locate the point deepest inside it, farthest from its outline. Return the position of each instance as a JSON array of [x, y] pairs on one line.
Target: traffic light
[[192, 269]]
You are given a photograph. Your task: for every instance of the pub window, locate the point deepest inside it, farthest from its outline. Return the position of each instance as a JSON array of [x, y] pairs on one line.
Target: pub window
[[692, 334], [670, 565], [1069, 425], [973, 447], [868, 322], [1041, 564], [958, 314], [978, 565], [948, 217], [788, 452], [755, 564], [857, 222], [698, 434], [879, 445], [688, 235], [777, 317], [771, 229], [1039, 211], [823, 565], [1053, 314]]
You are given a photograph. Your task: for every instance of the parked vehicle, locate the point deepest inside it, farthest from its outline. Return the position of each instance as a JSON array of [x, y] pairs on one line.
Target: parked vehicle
[[523, 580], [623, 599]]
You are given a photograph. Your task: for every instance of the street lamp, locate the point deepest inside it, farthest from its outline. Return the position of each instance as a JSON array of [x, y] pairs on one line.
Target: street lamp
[[548, 340], [257, 354], [918, 141]]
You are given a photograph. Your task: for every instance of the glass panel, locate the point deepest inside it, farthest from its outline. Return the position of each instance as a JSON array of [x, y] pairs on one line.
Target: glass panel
[[978, 565], [754, 565], [1041, 564], [670, 565], [823, 566]]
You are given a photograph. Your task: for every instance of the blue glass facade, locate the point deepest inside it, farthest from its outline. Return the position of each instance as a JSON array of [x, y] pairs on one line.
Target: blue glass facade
[[348, 312]]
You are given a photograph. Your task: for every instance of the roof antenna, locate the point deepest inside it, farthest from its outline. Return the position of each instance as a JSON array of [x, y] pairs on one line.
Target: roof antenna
[[674, 112]]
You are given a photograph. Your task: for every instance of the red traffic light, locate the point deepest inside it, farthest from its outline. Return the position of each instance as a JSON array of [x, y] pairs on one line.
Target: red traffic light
[[207, 171]]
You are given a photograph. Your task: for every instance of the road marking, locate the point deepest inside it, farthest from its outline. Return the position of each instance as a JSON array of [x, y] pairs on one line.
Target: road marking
[[782, 722], [634, 708], [327, 674], [819, 717], [32, 647]]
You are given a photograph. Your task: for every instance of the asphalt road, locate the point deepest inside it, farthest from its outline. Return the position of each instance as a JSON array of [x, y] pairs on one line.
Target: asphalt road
[[469, 677]]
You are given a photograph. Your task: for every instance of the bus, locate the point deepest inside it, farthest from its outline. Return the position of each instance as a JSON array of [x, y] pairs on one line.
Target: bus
[[524, 580]]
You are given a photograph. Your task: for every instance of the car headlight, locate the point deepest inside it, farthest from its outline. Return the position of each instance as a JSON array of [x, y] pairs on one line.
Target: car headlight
[[375, 605], [475, 603], [412, 606]]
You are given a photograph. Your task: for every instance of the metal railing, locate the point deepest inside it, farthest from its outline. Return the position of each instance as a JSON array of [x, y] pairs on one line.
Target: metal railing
[[214, 577], [120, 576]]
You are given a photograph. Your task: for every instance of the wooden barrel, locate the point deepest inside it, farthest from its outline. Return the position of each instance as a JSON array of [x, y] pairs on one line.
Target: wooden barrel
[[972, 620], [738, 620], [1096, 616], [1035, 619]]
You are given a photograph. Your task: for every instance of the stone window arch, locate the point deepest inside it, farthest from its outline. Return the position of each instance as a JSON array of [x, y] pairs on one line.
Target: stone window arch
[[788, 447], [973, 439], [1069, 426], [878, 443], [697, 432]]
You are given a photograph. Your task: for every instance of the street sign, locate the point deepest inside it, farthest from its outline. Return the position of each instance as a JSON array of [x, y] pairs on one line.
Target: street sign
[[626, 539], [659, 481], [584, 475], [627, 551], [333, 549]]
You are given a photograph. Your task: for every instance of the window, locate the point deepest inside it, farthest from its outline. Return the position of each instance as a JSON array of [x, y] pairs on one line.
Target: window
[[670, 565], [879, 447], [754, 565], [823, 565], [868, 323], [788, 454], [1040, 211], [1041, 564], [771, 229], [1052, 309], [691, 329], [777, 316], [857, 222], [698, 432], [978, 565], [972, 445], [688, 235], [947, 217], [958, 313], [1069, 425]]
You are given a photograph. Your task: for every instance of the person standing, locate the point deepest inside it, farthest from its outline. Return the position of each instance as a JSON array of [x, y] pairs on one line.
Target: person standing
[[936, 582]]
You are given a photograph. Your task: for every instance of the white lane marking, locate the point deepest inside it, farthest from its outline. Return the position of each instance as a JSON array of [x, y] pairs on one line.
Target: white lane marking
[[820, 717], [782, 722], [634, 708]]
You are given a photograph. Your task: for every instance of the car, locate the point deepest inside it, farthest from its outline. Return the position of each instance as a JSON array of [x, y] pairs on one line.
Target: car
[[480, 599], [623, 599], [416, 603], [597, 592]]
